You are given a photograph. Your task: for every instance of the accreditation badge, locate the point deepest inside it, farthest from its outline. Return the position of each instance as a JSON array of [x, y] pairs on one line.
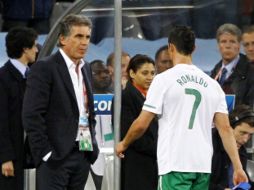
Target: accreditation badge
[[84, 135]]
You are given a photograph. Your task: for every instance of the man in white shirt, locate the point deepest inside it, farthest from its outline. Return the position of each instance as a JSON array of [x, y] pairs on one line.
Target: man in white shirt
[[187, 102], [58, 112]]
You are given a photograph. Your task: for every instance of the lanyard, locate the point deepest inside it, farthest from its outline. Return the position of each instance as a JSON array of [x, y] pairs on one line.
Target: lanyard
[[85, 97]]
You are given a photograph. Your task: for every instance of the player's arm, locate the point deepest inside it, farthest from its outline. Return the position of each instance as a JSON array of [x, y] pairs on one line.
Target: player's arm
[[137, 129], [226, 133]]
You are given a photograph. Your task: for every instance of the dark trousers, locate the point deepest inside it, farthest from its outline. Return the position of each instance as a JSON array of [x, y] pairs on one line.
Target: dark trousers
[[97, 179], [13, 183], [68, 174]]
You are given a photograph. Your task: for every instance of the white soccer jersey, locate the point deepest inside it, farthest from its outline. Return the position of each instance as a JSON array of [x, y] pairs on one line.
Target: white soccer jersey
[[185, 100]]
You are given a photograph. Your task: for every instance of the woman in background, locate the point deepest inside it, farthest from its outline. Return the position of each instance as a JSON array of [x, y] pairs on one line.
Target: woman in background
[[139, 167]]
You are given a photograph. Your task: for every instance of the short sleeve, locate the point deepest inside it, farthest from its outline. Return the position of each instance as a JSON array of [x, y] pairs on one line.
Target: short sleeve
[[155, 96]]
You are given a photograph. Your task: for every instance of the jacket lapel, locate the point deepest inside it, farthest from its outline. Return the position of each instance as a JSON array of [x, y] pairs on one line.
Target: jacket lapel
[[239, 70], [88, 87], [16, 75], [14, 72], [65, 75]]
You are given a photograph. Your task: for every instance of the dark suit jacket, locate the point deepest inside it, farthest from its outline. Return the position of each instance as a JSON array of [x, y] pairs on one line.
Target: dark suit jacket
[[221, 163], [139, 167], [240, 82], [50, 110], [12, 88]]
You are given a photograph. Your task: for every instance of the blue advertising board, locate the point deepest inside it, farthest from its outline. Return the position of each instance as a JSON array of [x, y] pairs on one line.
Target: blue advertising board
[[102, 104], [230, 99]]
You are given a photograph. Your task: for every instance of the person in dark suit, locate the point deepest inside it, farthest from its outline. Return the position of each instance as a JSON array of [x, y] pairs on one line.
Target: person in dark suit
[[233, 72], [242, 122], [58, 111], [248, 42], [139, 167], [21, 49]]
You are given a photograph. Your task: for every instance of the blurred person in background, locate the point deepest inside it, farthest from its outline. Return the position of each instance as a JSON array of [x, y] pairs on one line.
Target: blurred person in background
[[162, 60], [139, 167], [248, 42], [125, 59], [233, 72], [21, 49], [101, 83], [101, 78], [242, 122]]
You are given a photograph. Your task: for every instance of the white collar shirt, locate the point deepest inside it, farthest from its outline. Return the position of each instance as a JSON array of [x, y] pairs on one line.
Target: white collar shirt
[[230, 66], [19, 66], [77, 81]]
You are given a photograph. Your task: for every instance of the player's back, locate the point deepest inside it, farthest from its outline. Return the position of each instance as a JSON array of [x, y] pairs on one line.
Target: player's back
[[190, 99]]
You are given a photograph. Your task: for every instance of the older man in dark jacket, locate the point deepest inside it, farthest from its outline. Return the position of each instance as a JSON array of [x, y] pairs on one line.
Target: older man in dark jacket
[[233, 72]]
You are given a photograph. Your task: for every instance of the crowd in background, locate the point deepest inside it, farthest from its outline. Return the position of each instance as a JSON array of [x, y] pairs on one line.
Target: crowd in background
[[153, 23]]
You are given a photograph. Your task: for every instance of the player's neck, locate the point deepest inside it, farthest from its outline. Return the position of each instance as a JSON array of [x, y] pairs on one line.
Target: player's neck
[[182, 59]]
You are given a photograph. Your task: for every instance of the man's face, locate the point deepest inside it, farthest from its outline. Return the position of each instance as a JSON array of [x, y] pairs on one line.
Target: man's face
[[229, 47], [30, 53], [111, 71], [248, 45], [75, 45], [101, 77], [163, 62], [243, 133], [125, 63]]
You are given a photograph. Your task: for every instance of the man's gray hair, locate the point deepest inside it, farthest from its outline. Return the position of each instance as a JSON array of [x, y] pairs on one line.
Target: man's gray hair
[[72, 20], [229, 28]]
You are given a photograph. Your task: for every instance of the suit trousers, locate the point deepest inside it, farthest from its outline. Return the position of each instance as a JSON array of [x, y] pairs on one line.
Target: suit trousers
[[70, 173]]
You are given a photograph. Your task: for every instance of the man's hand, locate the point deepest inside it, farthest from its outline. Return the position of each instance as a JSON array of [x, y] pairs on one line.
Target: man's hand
[[239, 176], [8, 169], [120, 148]]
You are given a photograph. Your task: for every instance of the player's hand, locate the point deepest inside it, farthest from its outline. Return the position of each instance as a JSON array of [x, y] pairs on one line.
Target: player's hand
[[239, 176], [7, 169], [120, 148]]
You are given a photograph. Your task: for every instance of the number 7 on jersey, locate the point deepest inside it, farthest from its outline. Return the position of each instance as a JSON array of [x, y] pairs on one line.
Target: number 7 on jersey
[[197, 101]]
